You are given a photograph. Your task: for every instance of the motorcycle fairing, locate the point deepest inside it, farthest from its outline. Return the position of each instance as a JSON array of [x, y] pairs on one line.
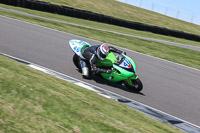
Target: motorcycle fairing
[[126, 64], [77, 45], [121, 71]]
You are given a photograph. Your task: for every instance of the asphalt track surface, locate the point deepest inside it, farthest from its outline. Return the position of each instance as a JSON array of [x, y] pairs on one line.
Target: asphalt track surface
[[169, 87], [139, 37]]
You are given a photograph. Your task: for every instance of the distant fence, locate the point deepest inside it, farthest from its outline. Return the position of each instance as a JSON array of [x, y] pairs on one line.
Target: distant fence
[[166, 10], [72, 12]]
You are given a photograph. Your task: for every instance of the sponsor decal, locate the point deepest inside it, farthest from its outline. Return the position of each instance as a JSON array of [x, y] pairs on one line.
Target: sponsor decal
[[77, 49], [82, 42], [126, 64]]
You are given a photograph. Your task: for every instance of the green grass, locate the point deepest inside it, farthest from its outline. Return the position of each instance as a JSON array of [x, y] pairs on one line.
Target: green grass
[[171, 53], [104, 26], [32, 101], [128, 12]]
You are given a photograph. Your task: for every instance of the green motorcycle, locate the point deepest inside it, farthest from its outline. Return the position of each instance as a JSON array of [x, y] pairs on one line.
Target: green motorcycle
[[123, 67]]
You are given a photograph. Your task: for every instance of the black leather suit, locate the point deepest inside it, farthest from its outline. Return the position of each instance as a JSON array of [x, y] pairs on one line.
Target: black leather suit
[[90, 54]]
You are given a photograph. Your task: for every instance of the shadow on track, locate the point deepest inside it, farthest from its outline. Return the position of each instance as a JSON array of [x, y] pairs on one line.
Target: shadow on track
[[112, 84], [118, 85]]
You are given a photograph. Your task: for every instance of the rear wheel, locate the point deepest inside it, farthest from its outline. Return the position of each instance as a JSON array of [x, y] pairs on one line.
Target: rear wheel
[[135, 86], [76, 60]]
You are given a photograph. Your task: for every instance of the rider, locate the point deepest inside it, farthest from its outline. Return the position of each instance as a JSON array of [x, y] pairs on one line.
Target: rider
[[93, 53]]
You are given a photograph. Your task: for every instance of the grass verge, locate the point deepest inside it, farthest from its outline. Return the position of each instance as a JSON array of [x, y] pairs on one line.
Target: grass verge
[[175, 54], [104, 26], [129, 12], [32, 101]]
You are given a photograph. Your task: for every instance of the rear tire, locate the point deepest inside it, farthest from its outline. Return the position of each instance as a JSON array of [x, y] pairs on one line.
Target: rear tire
[[136, 87], [76, 61]]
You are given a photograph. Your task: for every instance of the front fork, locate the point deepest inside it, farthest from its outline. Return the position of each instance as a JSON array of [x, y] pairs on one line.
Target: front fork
[[129, 80]]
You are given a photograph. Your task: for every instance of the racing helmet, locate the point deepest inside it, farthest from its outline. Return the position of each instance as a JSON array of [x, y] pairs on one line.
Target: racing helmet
[[102, 51]]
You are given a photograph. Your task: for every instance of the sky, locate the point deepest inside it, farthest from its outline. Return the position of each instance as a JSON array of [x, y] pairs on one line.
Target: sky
[[187, 10]]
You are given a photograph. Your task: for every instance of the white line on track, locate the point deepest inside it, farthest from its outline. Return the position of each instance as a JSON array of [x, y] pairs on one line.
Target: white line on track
[[115, 46], [89, 86]]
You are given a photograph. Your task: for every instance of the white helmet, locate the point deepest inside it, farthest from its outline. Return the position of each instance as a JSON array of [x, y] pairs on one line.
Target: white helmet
[[102, 51]]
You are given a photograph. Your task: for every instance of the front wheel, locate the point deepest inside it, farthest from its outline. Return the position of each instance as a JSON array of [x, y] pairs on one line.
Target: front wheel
[[135, 86]]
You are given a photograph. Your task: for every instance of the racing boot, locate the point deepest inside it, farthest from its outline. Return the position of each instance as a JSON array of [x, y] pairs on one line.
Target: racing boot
[[85, 70]]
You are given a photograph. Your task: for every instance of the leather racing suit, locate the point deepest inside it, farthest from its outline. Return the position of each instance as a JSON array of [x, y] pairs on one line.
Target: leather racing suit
[[90, 54]]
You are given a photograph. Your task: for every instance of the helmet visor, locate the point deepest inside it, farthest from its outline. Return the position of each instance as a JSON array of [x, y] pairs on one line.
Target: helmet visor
[[102, 55]]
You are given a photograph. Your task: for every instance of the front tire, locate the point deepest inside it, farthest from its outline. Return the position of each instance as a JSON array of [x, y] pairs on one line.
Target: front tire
[[136, 87]]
